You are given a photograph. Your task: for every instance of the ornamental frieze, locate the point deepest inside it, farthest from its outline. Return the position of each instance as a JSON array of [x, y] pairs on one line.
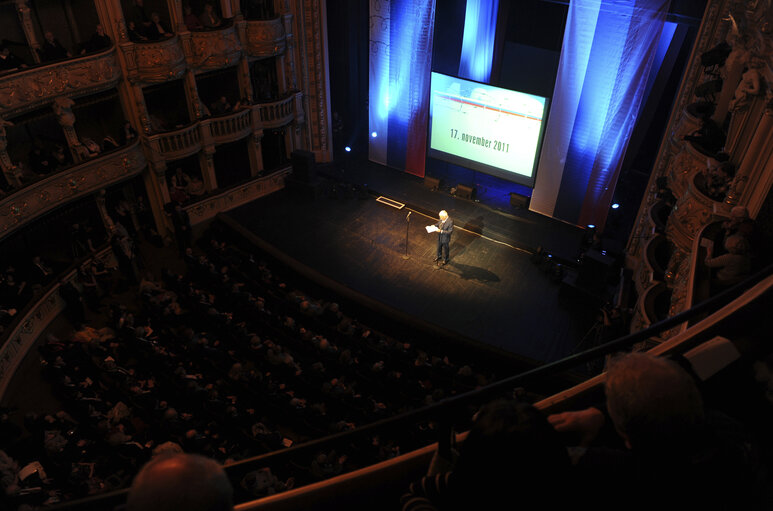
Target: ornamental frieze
[[155, 62], [265, 38], [26, 90], [213, 50], [40, 197], [685, 164]]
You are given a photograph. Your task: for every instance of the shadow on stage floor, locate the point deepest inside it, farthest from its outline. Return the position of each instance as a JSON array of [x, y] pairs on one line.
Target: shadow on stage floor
[[490, 291]]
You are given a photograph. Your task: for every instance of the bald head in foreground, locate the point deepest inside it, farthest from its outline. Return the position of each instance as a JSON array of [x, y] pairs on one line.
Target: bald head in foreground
[[181, 481]]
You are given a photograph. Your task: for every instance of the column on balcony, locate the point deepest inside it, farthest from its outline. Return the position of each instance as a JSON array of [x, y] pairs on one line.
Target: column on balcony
[[193, 101], [25, 17], [102, 208], [6, 165], [62, 107], [245, 83], [752, 180], [157, 190], [207, 164], [255, 152], [177, 18]]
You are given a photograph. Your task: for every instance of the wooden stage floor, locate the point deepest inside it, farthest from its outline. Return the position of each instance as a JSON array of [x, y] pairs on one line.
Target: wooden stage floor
[[490, 292]]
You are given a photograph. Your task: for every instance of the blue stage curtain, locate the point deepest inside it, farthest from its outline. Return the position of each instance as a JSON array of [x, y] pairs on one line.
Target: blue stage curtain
[[480, 26], [400, 60], [608, 50]]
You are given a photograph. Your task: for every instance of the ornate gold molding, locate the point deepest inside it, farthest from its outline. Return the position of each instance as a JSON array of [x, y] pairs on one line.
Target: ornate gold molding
[[26, 90], [213, 49], [235, 197], [155, 62], [265, 38], [38, 198]]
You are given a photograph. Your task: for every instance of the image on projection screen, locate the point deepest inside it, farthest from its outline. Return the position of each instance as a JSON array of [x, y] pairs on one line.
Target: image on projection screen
[[496, 131]]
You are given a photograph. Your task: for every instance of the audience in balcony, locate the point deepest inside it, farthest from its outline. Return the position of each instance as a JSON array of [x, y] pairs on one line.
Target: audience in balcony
[[52, 49], [98, 41], [156, 29], [668, 449], [209, 17], [221, 107], [178, 186], [191, 21], [40, 160], [135, 35], [9, 61], [510, 446], [258, 9], [733, 266]]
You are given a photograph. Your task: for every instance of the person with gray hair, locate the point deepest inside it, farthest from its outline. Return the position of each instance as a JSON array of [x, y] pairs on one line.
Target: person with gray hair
[[179, 481], [676, 455]]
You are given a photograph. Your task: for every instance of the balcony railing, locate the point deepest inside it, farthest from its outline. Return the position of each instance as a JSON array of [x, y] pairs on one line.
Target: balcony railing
[[278, 113], [36, 199], [213, 49], [265, 38], [154, 62], [177, 144], [187, 141], [29, 89], [230, 128]]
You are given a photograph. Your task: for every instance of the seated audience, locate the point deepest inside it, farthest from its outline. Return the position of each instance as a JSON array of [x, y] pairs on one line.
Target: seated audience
[[209, 18], [134, 33], [99, 41], [673, 452], [191, 20], [181, 481], [52, 49], [220, 107], [156, 29], [9, 61], [733, 266], [510, 446]]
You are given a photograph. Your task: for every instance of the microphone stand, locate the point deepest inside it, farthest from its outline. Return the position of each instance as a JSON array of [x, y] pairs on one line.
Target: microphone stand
[[407, 226]]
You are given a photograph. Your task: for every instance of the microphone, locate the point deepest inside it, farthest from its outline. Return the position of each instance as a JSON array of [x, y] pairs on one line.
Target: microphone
[[409, 215]]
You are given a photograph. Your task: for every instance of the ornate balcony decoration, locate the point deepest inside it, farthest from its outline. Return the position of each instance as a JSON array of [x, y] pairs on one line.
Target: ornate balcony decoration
[[155, 62], [36, 199], [230, 128], [265, 38], [278, 113], [235, 197], [177, 144], [213, 49], [29, 89], [692, 212], [683, 165]]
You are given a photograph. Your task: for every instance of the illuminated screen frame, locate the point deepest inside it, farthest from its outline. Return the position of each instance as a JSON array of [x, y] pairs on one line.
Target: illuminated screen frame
[[493, 109]]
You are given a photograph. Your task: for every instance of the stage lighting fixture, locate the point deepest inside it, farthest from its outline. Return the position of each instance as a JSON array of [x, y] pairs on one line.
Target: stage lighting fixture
[[348, 149], [374, 134], [615, 205], [591, 226]]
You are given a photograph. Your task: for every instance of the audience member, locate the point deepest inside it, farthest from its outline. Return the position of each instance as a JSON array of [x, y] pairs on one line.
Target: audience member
[[181, 481], [510, 446], [99, 41], [674, 454], [52, 49], [209, 17], [156, 29], [733, 266], [9, 61], [191, 20], [220, 107], [134, 33]]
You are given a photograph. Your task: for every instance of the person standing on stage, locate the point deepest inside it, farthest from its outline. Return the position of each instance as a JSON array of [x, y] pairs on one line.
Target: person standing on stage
[[445, 227]]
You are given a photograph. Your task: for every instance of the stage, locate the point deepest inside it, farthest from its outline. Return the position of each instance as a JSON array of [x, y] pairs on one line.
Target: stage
[[490, 291]]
